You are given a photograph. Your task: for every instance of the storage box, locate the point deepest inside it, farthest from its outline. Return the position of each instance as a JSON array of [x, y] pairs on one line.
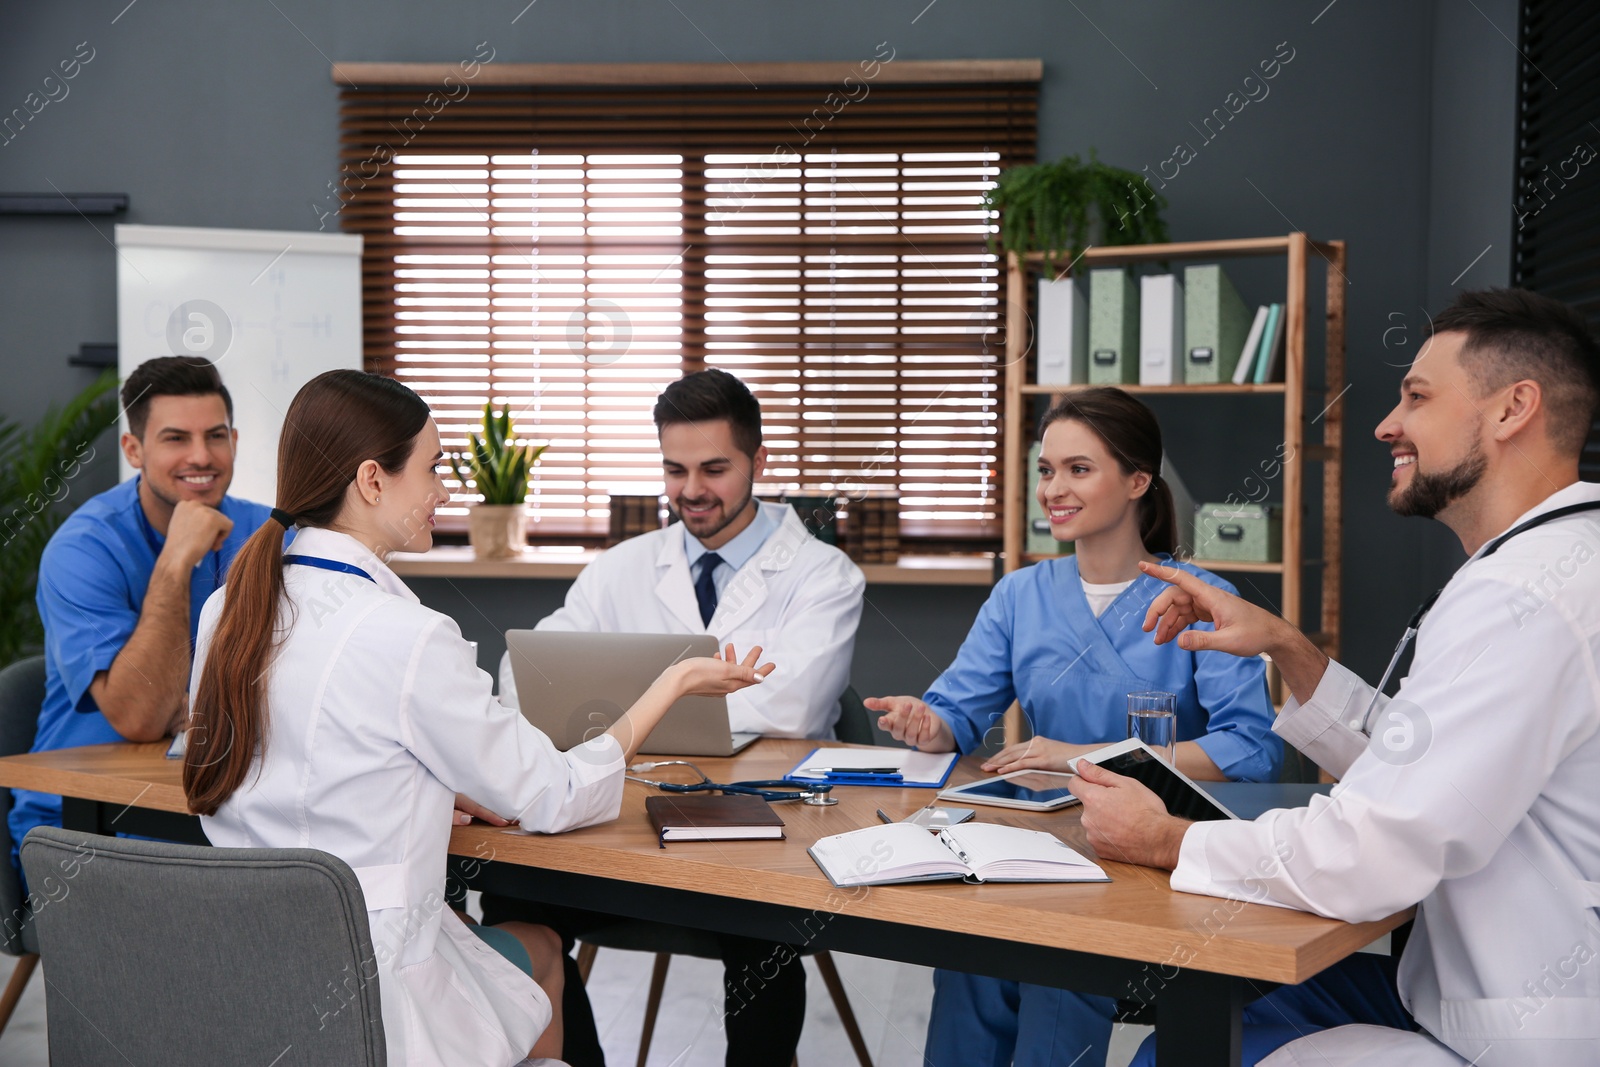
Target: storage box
[[1240, 533]]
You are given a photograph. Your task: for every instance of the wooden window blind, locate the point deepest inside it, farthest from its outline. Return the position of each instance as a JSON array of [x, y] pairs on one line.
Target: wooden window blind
[[569, 240], [1556, 224]]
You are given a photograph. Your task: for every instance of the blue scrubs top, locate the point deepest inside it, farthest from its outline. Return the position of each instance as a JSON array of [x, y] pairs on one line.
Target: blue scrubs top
[[92, 582], [1037, 641]]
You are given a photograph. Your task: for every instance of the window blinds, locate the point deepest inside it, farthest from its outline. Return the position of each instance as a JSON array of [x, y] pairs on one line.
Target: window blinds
[[569, 240], [1556, 223]]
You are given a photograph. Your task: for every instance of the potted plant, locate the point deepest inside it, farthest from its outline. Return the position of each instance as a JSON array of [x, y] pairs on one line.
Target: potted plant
[[37, 468], [498, 465], [1063, 207]]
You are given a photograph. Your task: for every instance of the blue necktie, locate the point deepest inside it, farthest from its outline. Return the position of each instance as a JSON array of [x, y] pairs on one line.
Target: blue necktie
[[705, 588]]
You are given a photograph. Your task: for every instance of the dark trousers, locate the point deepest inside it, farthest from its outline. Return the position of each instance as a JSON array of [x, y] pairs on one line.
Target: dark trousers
[[764, 988]]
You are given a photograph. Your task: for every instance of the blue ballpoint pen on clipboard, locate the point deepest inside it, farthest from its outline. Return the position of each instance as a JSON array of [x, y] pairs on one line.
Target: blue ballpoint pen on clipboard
[[865, 765], [854, 774], [855, 777]]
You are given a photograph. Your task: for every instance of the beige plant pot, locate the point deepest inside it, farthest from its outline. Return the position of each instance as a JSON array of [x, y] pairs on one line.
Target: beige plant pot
[[497, 531]]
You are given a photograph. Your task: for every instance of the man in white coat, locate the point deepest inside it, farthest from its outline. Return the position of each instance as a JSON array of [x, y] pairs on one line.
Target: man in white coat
[[1470, 793], [751, 574]]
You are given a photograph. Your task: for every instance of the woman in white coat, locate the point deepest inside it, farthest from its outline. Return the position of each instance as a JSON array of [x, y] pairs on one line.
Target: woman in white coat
[[345, 716]]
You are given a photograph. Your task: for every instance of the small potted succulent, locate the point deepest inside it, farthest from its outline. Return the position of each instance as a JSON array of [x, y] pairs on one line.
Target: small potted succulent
[[498, 465]]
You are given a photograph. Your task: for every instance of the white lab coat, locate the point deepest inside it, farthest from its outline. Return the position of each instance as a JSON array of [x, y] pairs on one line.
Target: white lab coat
[[1477, 795], [797, 598], [377, 715]]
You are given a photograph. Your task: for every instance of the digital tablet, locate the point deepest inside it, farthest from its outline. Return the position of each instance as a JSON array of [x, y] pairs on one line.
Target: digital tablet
[[1134, 759], [1029, 790]]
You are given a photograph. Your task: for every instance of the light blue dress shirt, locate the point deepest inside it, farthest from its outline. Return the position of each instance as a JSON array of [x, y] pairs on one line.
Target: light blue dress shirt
[[736, 553]]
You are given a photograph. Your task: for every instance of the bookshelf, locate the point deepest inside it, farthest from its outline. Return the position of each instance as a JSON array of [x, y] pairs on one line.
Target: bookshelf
[[1296, 394]]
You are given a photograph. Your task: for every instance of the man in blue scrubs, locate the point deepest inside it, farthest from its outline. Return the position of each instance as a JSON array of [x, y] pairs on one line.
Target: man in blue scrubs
[[122, 581]]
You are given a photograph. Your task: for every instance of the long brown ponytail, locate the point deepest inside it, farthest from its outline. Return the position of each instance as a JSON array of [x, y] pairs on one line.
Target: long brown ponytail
[[1130, 430], [338, 420]]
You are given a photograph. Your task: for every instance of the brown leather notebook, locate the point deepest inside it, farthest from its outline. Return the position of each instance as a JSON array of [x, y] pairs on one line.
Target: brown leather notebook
[[734, 817]]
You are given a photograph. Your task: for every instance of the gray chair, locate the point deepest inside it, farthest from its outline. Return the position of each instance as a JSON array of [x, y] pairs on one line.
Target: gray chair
[[190, 956], [21, 697], [665, 941]]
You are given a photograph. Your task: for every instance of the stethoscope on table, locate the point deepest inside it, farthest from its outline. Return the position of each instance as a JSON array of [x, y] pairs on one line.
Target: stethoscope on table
[[1427, 605], [771, 790]]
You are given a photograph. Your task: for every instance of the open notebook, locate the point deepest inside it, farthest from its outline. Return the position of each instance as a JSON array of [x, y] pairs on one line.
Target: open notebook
[[975, 852]]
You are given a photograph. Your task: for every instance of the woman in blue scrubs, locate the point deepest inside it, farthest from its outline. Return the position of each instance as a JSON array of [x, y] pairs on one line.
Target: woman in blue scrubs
[[1065, 639]]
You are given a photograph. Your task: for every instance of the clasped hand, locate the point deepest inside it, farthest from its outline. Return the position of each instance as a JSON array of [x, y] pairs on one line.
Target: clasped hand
[[194, 530]]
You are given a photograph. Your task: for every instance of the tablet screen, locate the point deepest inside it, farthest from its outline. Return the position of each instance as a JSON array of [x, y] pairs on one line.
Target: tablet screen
[[1181, 799], [1034, 788]]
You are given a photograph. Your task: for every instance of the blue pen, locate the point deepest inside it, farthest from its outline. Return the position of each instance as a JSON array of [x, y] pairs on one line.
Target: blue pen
[[852, 770], [857, 776]]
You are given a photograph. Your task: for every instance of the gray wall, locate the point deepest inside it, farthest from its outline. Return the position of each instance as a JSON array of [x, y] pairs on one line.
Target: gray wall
[[1389, 128]]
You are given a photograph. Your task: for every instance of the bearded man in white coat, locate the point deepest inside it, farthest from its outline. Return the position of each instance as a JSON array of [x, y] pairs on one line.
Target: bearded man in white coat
[[1471, 792], [750, 573]]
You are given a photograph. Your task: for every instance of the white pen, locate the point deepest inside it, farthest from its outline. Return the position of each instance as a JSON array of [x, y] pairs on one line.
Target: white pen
[[953, 847]]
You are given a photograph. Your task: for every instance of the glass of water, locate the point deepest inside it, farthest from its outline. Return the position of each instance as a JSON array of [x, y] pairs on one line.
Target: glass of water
[[1153, 719]]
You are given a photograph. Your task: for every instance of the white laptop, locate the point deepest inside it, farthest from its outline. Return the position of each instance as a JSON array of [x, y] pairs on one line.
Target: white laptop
[[573, 686]]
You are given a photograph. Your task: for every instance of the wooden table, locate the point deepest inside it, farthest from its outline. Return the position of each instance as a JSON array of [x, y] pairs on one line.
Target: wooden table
[[1198, 959]]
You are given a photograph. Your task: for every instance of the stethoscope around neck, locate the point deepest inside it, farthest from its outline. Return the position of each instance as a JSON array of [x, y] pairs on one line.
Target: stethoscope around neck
[[1427, 605]]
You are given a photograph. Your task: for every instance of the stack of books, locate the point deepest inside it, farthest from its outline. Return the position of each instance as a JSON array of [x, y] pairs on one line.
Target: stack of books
[[632, 516], [872, 528], [1261, 360]]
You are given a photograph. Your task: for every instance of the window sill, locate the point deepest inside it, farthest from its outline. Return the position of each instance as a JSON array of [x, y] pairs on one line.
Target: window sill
[[564, 562]]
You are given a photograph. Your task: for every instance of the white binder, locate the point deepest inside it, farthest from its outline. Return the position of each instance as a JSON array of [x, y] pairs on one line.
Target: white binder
[[1063, 332], [1161, 352]]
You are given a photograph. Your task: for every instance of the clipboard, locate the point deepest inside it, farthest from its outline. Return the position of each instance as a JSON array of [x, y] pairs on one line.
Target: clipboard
[[913, 769]]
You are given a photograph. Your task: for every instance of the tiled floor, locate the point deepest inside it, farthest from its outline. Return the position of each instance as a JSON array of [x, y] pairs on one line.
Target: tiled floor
[[890, 1000], [23, 1044]]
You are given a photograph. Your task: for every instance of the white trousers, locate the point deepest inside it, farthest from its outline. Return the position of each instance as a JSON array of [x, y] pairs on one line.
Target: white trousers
[[1359, 1045]]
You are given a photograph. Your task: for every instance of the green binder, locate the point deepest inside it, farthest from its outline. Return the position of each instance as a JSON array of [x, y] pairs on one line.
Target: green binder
[[1113, 327], [1215, 324]]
